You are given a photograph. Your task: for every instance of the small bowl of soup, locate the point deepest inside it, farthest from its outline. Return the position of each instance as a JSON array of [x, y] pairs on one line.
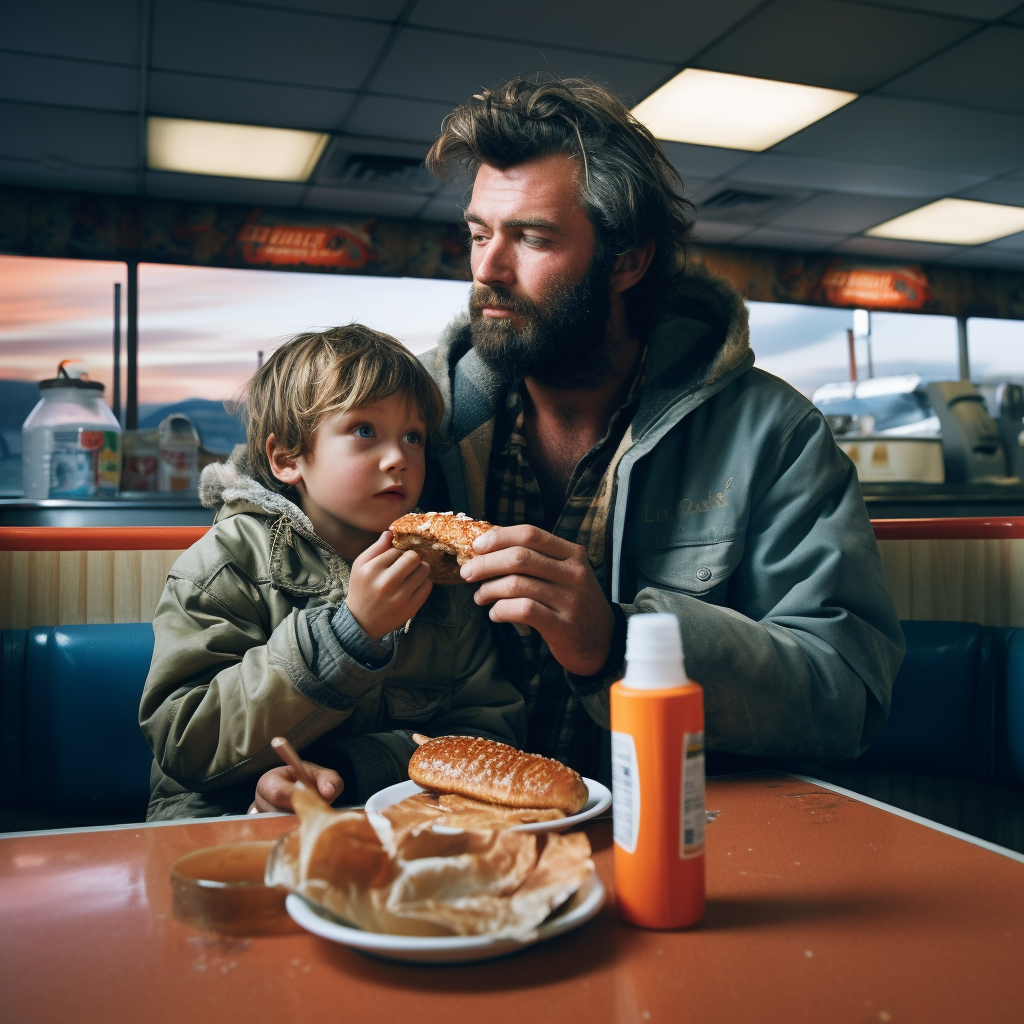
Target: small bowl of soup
[[220, 889]]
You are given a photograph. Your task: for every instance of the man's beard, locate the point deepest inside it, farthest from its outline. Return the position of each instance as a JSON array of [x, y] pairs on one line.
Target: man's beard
[[563, 344]]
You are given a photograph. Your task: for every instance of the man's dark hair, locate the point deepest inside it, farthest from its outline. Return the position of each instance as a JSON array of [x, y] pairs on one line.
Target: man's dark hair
[[630, 190]]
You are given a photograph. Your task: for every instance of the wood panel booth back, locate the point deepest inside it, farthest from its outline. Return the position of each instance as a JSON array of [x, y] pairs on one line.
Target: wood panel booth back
[[964, 570]]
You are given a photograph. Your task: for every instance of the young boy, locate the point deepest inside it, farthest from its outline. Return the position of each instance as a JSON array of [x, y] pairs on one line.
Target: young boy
[[294, 616]]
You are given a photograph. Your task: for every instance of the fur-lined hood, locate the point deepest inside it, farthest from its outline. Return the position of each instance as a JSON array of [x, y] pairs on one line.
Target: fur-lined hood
[[232, 490]]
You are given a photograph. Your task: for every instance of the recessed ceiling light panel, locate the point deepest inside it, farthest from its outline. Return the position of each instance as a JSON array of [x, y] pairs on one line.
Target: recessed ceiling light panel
[[955, 222], [709, 108], [232, 150]]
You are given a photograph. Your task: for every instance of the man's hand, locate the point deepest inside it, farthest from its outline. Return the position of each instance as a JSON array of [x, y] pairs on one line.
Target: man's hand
[[275, 788], [387, 587], [532, 577]]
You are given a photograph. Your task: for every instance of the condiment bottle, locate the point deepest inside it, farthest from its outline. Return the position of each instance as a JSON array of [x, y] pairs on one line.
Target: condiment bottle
[[657, 722], [178, 458]]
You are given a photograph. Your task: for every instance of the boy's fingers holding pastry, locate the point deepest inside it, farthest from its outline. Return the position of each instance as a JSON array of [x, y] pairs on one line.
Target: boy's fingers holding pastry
[[276, 787]]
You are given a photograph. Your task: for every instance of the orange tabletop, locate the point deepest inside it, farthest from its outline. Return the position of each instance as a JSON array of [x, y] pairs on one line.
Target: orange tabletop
[[821, 908]]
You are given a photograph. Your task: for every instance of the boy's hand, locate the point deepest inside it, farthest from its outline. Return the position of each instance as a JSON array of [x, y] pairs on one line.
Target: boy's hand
[[387, 587], [275, 788]]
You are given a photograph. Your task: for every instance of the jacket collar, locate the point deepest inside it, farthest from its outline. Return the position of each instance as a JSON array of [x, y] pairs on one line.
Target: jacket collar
[[299, 561], [701, 338]]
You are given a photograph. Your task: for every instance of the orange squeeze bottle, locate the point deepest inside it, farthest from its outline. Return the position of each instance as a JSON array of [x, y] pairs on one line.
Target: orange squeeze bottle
[[657, 722]]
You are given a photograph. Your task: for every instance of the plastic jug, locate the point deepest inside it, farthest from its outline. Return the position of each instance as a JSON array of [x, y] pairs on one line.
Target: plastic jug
[[71, 441]]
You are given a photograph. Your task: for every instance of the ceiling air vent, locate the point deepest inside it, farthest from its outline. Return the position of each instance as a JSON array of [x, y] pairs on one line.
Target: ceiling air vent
[[743, 205], [378, 171]]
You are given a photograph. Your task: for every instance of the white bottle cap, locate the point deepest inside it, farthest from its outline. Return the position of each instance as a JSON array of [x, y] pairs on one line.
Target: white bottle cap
[[654, 652]]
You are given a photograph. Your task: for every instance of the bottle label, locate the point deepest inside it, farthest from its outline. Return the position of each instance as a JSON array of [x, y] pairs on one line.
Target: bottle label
[[625, 792], [73, 463], [108, 463], [691, 813]]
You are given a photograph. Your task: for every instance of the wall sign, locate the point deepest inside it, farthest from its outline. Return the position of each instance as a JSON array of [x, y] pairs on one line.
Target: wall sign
[[76, 225]]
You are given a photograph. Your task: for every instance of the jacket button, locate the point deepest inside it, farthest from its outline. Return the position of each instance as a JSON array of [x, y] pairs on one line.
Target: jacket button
[[704, 574]]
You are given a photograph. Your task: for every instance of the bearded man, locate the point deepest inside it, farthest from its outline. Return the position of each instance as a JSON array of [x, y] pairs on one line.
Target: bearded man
[[604, 410]]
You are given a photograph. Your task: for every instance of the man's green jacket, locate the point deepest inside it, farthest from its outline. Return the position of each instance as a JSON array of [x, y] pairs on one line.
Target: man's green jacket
[[730, 505]]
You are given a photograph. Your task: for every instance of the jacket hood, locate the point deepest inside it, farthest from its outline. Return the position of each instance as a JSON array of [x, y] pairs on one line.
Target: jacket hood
[[702, 337], [696, 347], [232, 490]]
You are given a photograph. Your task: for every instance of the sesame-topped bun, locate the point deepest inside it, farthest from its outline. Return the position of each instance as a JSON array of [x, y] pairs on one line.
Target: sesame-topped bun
[[444, 540], [496, 773]]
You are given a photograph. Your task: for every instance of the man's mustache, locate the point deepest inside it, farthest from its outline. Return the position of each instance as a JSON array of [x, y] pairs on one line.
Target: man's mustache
[[485, 295]]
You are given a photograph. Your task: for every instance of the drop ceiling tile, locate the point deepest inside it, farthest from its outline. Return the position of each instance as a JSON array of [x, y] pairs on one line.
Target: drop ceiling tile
[[263, 44], [208, 188], [983, 256], [985, 10], [77, 136], [100, 30], [852, 176], [34, 174], [450, 68], [445, 210], [1004, 190], [831, 43], [985, 71], [723, 200], [779, 238], [650, 29], [70, 83], [418, 120], [712, 232], [910, 133], [703, 161], [897, 250], [1014, 243], [350, 200], [843, 213], [386, 10], [206, 98]]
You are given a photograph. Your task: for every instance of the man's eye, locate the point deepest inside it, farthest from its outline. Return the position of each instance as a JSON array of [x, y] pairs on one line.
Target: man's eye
[[365, 430], [535, 241], [414, 437]]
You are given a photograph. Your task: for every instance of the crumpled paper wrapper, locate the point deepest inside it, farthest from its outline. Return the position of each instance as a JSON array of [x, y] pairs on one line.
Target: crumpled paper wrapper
[[391, 873]]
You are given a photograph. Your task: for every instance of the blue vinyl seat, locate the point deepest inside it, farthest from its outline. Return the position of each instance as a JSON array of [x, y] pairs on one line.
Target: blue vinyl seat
[[70, 740], [79, 745]]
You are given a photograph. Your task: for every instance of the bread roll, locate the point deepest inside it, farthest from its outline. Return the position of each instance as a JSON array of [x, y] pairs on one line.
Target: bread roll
[[496, 773], [444, 540]]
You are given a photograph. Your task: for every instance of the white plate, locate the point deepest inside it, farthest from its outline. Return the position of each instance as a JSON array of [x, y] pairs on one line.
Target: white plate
[[598, 801], [454, 949]]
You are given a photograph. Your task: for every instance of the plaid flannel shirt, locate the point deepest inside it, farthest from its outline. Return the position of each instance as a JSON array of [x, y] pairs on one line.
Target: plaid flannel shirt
[[558, 724]]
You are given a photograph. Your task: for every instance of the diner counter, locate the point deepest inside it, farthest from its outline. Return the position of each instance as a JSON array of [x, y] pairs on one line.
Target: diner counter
[[822, 906], [159, 510], [884, 501]]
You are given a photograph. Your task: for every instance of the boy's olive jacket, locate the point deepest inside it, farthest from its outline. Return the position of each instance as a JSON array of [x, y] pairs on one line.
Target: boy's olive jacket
[[245, 652]]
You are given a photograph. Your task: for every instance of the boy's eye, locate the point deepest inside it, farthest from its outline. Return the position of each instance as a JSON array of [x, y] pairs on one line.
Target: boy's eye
[[364, 430], [414, 437]]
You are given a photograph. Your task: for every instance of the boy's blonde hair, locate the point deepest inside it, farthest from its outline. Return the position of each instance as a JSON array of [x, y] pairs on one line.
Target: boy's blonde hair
[[321, 372]]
